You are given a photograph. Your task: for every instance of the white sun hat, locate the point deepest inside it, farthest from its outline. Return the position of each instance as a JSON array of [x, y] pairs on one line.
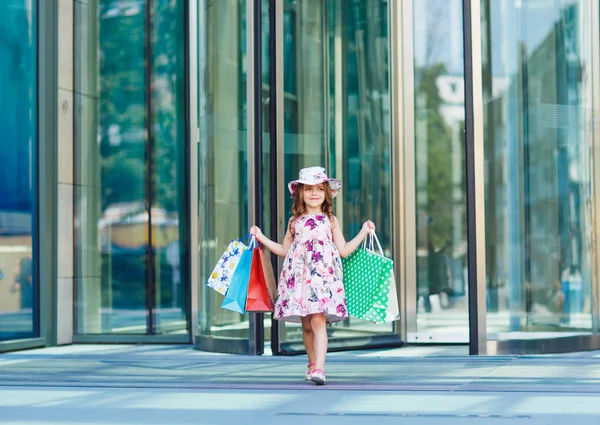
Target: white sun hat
[[315, 175]]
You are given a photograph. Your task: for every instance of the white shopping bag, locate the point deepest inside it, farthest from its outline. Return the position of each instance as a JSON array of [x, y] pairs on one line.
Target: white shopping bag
[[393, 309], [220, 278]]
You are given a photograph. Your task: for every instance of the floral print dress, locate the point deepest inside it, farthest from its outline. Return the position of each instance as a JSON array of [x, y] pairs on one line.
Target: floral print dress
[[311, 278]]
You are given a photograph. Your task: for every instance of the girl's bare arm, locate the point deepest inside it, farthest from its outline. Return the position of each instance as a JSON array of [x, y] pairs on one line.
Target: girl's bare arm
[[279, 249], [347, 248]]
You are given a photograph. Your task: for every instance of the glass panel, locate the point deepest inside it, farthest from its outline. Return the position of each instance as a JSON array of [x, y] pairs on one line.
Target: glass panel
[[111, 215], [169, 235], [537, 85], [304, 86], [223, 157], [18, 116], [442, 301], [337, 114]]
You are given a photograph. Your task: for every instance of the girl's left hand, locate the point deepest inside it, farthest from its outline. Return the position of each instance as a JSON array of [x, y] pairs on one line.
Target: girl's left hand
[[369, 227], [255, 230]]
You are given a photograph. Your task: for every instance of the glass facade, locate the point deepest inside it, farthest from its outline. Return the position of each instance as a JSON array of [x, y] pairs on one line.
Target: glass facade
[[440, 185], [130, 146], [464, 129], [222, 152], [19, 301], [537, 89]]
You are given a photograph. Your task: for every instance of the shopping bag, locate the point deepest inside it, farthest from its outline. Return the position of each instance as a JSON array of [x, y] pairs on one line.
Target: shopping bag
[[393, 308], [387, 296], [258, 298], [265, 260], [368, 277], [220, 278], [381, 301], [235, 297]]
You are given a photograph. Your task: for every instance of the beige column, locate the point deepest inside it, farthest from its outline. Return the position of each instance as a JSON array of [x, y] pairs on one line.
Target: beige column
[[65, 269]]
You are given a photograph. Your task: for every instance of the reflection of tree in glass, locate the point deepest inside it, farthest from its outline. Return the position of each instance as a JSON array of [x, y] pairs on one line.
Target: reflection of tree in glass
[[168, 104], [439, 158], [124, 68], [122, 103], [122, 145], [168, 128]]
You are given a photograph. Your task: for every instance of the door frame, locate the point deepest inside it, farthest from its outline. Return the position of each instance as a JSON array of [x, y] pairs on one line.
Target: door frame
[[396, 16]]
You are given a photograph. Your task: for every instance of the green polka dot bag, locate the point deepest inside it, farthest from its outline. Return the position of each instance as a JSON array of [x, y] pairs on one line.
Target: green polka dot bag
[[370, 285]]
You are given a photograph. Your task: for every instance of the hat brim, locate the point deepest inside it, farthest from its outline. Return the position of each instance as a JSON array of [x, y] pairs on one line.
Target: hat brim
[[334, 184]]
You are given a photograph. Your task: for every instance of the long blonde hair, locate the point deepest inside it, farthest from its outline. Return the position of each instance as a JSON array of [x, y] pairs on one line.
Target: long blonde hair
[[299, 207]]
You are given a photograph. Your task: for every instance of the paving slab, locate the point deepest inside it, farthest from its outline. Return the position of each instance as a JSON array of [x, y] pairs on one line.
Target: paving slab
[[137, 384], [181, 367]]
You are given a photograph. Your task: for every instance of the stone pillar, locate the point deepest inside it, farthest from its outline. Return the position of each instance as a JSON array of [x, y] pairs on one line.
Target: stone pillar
[[65, 190]]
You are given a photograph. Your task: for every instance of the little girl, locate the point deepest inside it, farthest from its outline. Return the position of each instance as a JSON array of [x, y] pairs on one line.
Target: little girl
[[310, 288]]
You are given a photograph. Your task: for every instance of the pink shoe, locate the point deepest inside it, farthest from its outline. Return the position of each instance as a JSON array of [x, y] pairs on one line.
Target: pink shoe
[[318, 377], [308, 372]]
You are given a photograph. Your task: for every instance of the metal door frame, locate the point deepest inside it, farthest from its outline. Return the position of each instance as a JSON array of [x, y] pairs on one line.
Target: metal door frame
[[396, 13]]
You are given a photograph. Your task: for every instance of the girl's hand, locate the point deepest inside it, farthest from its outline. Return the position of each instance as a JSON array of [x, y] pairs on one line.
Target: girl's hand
[[255, 230], [369, 227]]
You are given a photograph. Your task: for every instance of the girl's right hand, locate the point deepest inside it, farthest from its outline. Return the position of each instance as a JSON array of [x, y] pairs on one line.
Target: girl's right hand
[[369, 227], [255, 230]]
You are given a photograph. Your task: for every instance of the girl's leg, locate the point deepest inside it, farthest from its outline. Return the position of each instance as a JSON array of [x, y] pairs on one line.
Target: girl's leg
[[309, 341], [319, 329]]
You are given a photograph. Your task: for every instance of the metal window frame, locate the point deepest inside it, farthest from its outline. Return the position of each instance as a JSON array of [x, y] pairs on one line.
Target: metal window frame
[[255, 146], [193, 139], [594, 21], [276, 144], [276, 115], [148, 75], [474, 155], [188, 142], [47, 177], [403, 145]]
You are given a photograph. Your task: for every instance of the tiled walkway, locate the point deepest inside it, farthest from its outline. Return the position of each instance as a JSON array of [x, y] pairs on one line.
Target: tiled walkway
[[92, 384]]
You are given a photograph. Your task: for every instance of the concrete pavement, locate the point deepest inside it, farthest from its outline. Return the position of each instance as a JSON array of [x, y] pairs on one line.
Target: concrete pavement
[[178, 385]]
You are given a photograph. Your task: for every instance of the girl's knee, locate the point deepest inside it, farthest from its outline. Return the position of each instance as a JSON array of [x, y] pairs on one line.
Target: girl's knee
[[318, 321], [306, 325]]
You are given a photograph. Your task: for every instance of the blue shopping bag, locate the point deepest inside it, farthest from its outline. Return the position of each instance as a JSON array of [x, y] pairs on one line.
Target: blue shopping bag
[[235, 297]]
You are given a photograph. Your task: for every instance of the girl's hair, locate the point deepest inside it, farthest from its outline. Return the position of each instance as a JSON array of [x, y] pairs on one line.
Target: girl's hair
[[299, 207]]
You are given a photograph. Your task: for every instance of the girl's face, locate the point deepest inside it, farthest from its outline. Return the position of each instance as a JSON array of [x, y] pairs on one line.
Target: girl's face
[[314, 196]]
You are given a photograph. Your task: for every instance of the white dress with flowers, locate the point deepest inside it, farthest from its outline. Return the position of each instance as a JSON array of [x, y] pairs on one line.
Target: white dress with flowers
[[311, 278]]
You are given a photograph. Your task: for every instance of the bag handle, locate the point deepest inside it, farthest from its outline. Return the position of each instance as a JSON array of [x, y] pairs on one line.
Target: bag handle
[[244, 237], [371, 247], [253, 243], [248, 235], [367, 245]]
